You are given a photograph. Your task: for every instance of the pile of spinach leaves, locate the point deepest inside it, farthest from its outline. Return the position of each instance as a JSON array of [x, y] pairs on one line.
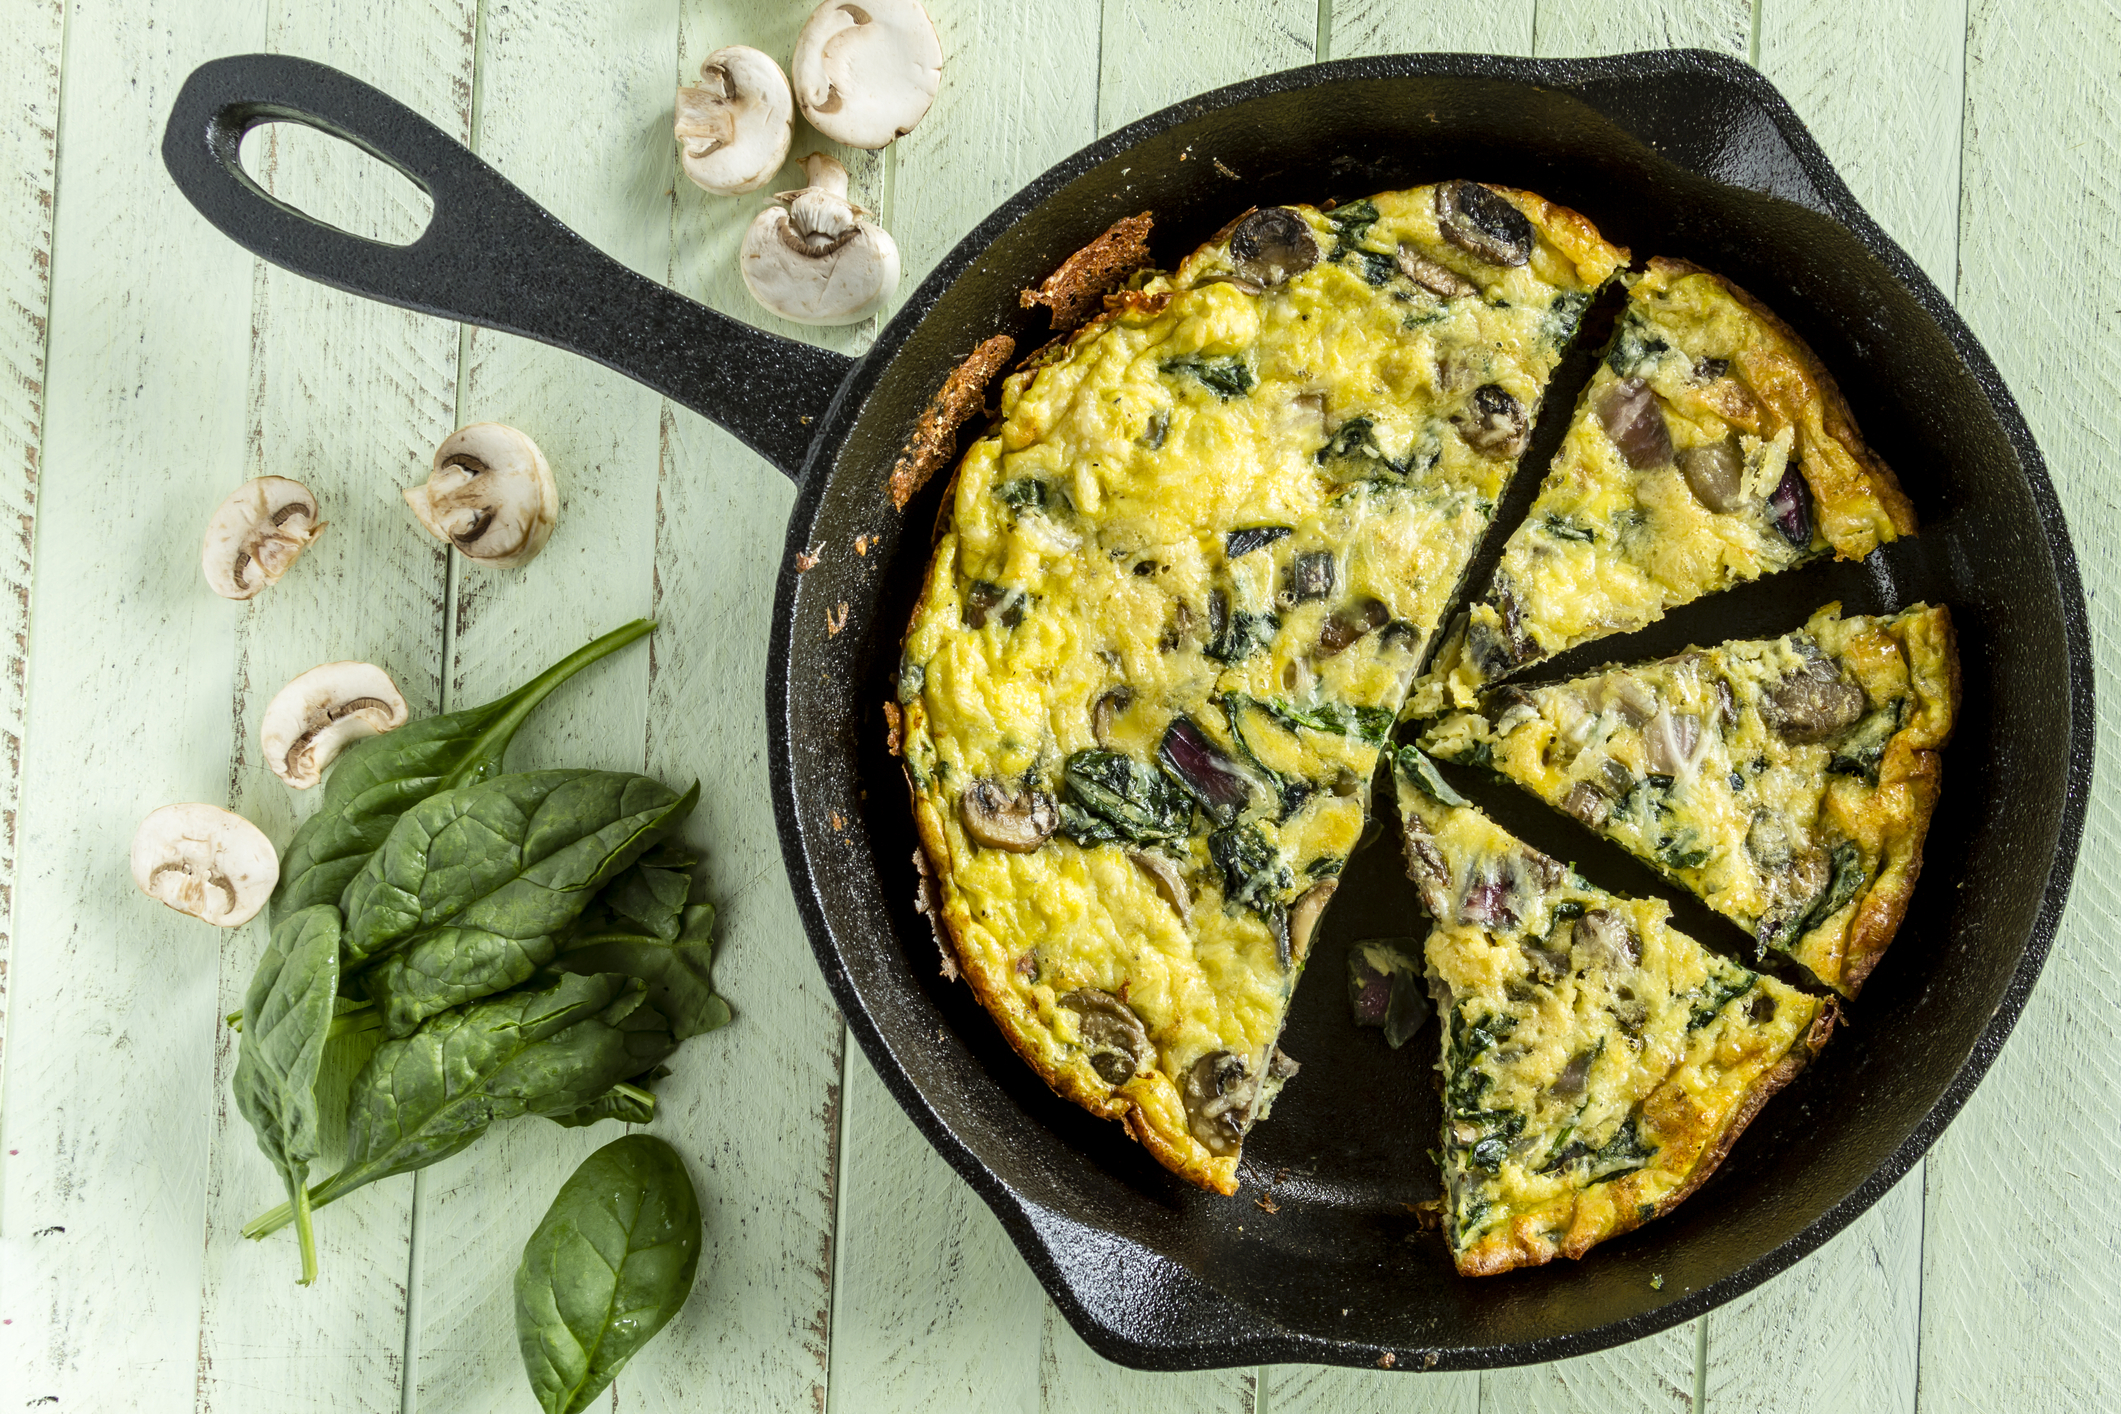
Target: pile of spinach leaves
[[452, 945]]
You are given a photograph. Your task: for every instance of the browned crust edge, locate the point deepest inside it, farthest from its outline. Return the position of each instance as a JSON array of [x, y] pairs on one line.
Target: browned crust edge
[[1756, 1096], [935, 436], [1077, 290], [1882, 910], [1105, 1104], [1840, 422], [1492, 1258]]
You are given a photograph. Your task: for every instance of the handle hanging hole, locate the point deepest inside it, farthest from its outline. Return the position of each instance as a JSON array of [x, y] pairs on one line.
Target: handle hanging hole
[[332, 181]]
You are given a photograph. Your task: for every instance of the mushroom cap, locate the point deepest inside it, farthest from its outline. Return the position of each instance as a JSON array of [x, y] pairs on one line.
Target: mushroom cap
[[733, 130], [865, 73], [255, 535], [491, 495], [324, 711], [818, 261], [205, 861]]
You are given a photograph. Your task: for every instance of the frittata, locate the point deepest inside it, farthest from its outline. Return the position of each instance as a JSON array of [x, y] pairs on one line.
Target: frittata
[[1710, 449], [1787, 783], [1597, 1063], [1174, 607]]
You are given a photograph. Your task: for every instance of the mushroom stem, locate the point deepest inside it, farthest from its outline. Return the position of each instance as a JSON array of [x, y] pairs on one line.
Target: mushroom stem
[[826, 175]]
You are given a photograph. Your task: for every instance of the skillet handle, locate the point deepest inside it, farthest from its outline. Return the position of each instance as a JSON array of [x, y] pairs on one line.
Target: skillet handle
[[489, 256]]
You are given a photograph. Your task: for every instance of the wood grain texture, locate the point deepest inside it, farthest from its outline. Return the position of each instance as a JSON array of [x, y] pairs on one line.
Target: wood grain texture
[[1074, 1379], [350, 398], [932, 1306], [2020, 1240], [104, 1139], [1152, 53], [1881, 87], [1360, 27], [29, 140], [1796, 1344], [1328, 1389], [1566, 28], [571, 102]]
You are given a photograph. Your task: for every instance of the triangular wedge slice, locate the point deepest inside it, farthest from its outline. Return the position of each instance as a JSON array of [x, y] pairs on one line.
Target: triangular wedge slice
[[1176, 601], [1597, 1063], [1709, 449], [1787, 783]]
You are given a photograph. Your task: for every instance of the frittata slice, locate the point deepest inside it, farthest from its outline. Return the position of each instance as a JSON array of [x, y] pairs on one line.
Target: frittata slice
[[1597, 1063], [1175, 605], [1710, 448], [1788, 783]]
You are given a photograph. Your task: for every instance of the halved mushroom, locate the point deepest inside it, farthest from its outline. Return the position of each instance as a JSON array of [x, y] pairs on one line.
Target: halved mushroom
[[321, 713], [818, 261], [256, 534], [1813, 702], [1304, 915], [1112, 1035], [865, 73], [1219, 1094], [490, 494], [205, 861], [1483, 223], [1272, 245], [1164, 873], [1018, 823], [735, 127], [1494, 423], [1435, 277]]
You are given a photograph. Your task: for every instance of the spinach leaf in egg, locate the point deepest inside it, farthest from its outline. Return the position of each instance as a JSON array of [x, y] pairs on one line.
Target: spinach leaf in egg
[[1224, 375], [1116, 797]]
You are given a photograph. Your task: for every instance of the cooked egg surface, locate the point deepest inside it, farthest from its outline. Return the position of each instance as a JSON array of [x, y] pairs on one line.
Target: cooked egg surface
[[1709, 449], [1597, 1062], [1173, 611], [1788, 783]]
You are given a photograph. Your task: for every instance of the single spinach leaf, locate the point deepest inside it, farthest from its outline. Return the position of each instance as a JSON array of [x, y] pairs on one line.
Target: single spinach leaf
[[426, 1096], [674, 970], [377, 780], [1114, 797], [287, 1017], [473, 889], [647, 897], [611, 1263]]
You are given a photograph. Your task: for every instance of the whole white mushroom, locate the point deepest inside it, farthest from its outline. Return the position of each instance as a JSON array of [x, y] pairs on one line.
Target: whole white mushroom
[[734, 128], [866, 72], [818, 261]]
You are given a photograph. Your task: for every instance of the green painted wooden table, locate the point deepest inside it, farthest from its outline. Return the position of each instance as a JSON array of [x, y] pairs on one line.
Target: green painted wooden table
[[149, 367]]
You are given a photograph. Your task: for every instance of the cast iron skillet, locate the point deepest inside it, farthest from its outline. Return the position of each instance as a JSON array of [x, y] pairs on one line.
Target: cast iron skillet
[[1685, 154]]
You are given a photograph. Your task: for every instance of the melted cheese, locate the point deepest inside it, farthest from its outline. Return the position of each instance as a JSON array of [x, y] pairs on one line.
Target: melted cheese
[[1239, 508], [1597, 1062], [1809, 841]]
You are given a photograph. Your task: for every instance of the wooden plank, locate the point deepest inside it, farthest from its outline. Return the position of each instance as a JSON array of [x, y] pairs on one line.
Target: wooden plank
[[29, 139], [349, 397], [1881, 90], [2019, 1282], [1329, 1389], [1838, 1331], [1074, 1379], [1455, 27], [105, 1160], [1565, 28], [569, 102], [1156, 52], [932, 1306]]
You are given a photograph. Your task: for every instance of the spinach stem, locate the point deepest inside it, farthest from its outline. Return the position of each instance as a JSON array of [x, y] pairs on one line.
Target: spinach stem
[[304, 1232], [482, 759]]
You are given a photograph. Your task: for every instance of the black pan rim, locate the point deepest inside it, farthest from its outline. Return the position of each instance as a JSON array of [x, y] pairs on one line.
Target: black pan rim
[[1018, 1214]]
